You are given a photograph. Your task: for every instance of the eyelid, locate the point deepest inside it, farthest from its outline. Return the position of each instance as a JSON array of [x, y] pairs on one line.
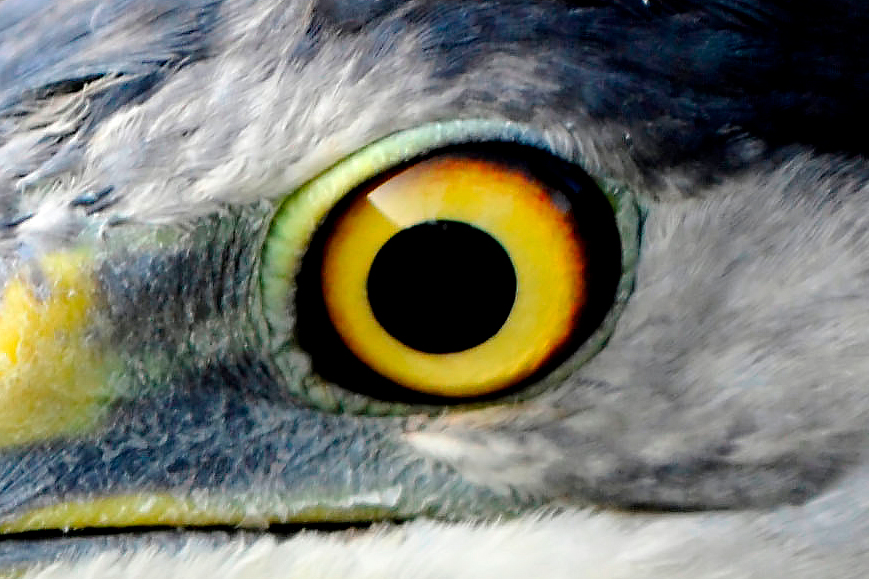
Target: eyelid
[[300, 213], [298, 218]]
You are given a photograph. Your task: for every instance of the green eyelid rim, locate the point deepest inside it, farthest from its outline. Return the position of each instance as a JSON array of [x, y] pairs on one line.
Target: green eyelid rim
[[300, 214]]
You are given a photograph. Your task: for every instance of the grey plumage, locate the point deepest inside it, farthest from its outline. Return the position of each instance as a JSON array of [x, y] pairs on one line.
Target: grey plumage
[[733, 383]]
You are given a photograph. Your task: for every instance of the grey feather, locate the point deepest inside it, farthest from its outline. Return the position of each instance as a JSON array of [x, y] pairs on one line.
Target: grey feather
[[734, 383]]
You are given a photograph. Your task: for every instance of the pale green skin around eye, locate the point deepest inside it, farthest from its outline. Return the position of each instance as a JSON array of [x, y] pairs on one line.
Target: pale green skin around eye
[[299, 215], [213, 416]]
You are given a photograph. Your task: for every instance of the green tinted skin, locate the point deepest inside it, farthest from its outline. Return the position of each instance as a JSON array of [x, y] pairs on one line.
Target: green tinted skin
[[298, 216], [202, 413], [215, 417]]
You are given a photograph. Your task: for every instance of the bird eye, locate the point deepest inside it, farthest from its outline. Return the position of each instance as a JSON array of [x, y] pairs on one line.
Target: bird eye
[[462, 273]]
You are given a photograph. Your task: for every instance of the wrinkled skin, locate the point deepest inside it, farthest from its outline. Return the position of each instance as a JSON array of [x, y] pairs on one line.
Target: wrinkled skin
[[719, 432]]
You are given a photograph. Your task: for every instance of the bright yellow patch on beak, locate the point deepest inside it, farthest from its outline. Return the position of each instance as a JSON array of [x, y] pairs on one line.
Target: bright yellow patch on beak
[[161, 509], [54, 374]]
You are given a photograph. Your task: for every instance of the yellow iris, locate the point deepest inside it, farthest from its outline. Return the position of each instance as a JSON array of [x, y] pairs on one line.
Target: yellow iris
[[535, 227]]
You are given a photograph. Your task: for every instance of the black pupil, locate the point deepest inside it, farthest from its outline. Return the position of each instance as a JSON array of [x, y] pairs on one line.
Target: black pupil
[[442, 286]]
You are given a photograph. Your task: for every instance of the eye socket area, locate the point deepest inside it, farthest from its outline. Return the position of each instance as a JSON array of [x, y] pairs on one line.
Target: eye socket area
[[487, 266]]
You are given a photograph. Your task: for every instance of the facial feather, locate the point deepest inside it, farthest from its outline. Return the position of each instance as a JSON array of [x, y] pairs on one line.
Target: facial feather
[[733, 384]]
